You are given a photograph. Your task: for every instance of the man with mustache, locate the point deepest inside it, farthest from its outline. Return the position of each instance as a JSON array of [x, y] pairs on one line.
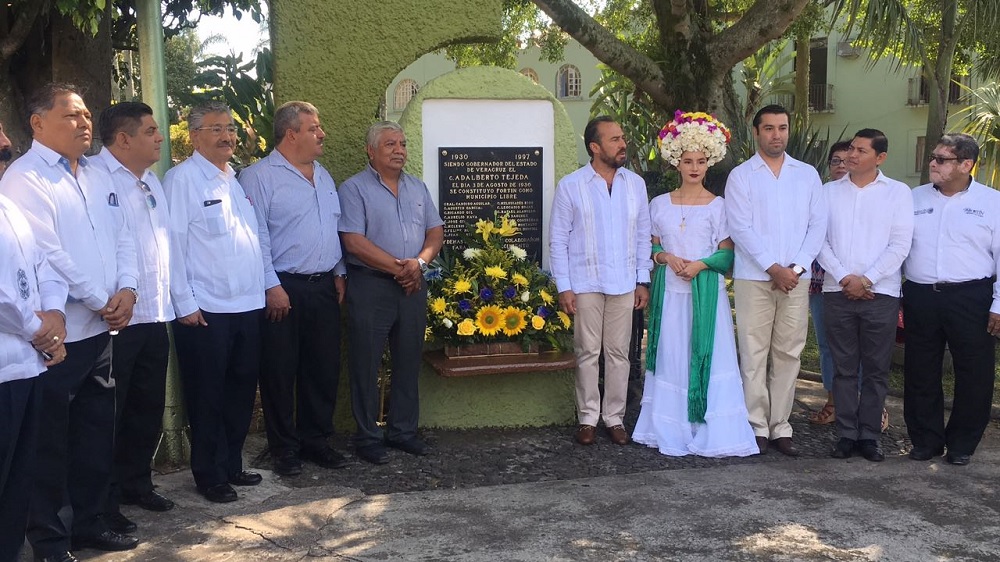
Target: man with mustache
[[6, 154], [599, 243], [391, 231], [298, 211], [132, 142], [777, 219], [78, 223], [217, 287]]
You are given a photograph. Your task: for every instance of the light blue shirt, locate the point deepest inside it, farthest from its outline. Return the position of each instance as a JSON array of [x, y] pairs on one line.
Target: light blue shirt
[[397, 225], [600, 242], [297, 221], [215, 257], [79, 225]]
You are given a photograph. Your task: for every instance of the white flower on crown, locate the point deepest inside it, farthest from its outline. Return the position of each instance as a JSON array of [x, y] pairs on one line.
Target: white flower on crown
[[693, 132]]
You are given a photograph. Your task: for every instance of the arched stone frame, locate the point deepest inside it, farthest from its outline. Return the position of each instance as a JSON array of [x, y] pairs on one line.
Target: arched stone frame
[[569, 82], [341, 56]]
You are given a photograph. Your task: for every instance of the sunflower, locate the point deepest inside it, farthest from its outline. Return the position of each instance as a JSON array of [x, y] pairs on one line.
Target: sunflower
[[545, 296], [488, 320], [537, 322], [565, 318], [439, 305], [496, 272], [466, 327], [462, 286], [513, 321]]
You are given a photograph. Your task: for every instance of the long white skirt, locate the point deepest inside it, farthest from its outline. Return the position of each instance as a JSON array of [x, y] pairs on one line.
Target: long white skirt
[[663, 420]]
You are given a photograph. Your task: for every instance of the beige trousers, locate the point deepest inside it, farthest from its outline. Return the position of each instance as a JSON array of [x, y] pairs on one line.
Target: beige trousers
[[771, 324], [602, 320]]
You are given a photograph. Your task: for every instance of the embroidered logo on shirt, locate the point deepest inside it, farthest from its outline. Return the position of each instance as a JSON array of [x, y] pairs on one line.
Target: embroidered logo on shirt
[[977, 212], [23, 288], [113, 199], [927, 211]]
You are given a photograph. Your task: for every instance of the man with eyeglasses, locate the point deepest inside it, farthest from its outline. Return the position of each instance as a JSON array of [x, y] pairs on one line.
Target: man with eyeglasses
[[217, 288], [951, 298], [298, 213], [132, 142], [77, 222]]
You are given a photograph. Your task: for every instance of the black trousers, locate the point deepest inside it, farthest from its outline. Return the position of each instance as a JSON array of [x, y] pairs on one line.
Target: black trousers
[[139, 362], [379, 310], [860, 333], [219, 365], [19, 409], [300, 367], [956, 316], [76, 430]]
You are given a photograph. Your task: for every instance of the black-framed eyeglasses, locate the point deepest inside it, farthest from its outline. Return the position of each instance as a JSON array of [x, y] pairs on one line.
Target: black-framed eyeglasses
[[836, 161], [150, 200], [219, 129], [942, 159]]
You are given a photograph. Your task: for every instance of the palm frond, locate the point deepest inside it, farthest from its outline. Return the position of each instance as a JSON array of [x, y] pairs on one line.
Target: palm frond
[[885, 27], [982, 120]]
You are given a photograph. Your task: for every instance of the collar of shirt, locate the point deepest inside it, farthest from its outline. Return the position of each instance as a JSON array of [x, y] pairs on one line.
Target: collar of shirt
[[879, 178], [757, 162], [619, 173], [114, 165], [278, 160], [378, 177], [209, 169], [53, 158]]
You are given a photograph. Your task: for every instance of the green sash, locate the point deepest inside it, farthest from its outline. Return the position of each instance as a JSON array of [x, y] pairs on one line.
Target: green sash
[[704, 300], [655, 311]]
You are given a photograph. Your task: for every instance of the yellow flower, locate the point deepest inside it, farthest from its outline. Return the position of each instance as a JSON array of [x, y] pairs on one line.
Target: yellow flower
[[485, 228], [537, 322], [438, 305], [513, 321], [545, 296], [462, 286], [466, 327], [508, 227], [496, 272], [565, 318], [489, 320], [519, 280]]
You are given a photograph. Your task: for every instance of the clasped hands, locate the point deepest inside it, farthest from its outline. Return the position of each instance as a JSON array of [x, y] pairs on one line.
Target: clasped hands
[[685, 269], [118, 310], [409, 276], [853, 287]]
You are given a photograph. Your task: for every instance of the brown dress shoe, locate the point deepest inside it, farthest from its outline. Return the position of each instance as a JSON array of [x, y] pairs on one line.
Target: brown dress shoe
[[618, 435], [585, 434], [761, 444], [784, 446]]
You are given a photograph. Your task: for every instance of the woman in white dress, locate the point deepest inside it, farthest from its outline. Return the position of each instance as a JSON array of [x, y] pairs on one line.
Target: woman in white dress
[[692, 401]]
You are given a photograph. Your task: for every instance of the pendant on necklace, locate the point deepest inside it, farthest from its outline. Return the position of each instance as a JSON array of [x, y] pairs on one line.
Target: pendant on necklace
[[683, 225]]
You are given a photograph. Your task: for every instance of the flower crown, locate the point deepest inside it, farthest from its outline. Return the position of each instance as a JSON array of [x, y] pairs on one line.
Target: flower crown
[[693, 132]]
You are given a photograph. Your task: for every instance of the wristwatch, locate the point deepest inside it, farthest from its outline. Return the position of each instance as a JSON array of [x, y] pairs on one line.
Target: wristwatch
[[135, 294], [423, 264], [646, 285], [798, 269]]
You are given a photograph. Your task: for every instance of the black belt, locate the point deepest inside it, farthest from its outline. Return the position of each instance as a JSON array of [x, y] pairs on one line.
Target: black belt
[[357, 269], [310, 277], [947, 286]]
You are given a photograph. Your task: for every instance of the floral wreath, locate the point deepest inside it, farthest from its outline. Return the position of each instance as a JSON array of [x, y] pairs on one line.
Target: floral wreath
[[693, 132]]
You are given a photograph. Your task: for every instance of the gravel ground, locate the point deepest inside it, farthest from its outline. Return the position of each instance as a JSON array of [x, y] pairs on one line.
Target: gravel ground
[[485, 457]]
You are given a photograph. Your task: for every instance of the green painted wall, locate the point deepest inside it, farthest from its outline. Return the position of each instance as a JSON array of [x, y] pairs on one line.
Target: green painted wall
[[341, 55]]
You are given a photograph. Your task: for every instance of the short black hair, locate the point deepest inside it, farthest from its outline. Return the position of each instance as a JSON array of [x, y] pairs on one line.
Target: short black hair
[[773, 109], [879, 141], [590, 131], [842, 146], [44, 99], [125, 116], [964, 146]]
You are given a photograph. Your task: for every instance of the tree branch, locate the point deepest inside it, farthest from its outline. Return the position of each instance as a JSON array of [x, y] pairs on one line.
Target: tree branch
[[765, 21], [26, 17], [627, 61]]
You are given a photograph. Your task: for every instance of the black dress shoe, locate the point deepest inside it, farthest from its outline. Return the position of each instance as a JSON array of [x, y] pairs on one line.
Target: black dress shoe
[[119, 523], [957, 459], [150, 501], [871, 450], [375, 454], [327, 458], [61, 557], [288, 464], [220, 493], [108, 541], [245, 478], [925, 453], [412, 445], [761, 445], [843, 449], [784, 446]]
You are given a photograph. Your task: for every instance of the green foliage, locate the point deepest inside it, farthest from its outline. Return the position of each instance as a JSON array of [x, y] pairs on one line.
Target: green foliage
[[524, 25], [640, 119], [86, 14], [983, 122]]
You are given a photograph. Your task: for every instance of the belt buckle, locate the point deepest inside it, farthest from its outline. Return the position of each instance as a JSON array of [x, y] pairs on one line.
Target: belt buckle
[[314, 277], [935, 288]]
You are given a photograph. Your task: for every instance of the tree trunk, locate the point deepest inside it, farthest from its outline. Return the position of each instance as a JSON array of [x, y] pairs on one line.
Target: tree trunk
[[939, 79], [803, 45]]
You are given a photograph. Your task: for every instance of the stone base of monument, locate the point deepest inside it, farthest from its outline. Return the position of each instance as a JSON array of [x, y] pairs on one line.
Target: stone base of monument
[[523, 390]]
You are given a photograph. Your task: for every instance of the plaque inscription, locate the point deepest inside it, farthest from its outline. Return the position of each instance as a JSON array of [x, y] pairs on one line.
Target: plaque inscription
[[475, 182]]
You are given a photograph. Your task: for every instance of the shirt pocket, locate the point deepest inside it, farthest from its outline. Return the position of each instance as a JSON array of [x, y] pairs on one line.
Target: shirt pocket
[[215, 219], [417, 213]]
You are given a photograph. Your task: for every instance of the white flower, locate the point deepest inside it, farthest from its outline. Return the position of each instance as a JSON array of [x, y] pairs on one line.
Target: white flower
[[471, 253], [525, 296], [518, 252], [447, 323]]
